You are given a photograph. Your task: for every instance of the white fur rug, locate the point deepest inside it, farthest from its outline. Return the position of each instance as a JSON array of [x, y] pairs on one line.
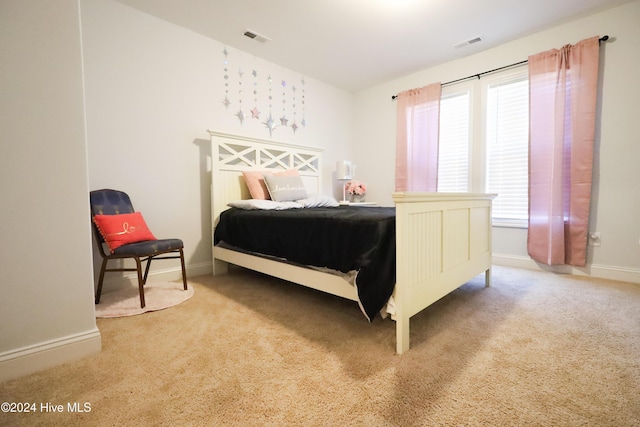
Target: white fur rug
[[126, 301]]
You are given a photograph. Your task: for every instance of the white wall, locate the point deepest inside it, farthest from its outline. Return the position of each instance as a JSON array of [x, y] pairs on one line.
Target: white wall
[[153, 89], [616, 199], [46, 303]]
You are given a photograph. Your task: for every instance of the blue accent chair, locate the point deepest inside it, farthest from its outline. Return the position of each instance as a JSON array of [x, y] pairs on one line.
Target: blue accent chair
[[113, 202]]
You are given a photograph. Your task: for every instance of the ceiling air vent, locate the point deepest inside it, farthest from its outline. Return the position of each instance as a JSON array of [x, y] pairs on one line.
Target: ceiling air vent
[[468, 42], [256, 36]]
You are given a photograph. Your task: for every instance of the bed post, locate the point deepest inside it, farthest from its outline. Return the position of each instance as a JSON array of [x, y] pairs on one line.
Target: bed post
[[402, 333], [219, 266], [402, 314]]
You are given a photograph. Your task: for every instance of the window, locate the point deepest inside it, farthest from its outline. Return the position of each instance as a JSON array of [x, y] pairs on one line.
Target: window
[[484, 144], [507, 142], [453, 147]]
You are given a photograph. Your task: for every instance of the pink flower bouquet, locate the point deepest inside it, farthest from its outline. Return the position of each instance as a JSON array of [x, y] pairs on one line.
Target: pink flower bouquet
[[355, 188]]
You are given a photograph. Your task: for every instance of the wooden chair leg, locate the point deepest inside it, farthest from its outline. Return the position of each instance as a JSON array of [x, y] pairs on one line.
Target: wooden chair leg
[[100, 280], [146, 270], [184, 272], [140, 282]]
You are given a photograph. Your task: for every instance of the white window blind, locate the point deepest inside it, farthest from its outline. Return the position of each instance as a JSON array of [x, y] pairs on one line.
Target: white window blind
[[453, 150], [507, 139]]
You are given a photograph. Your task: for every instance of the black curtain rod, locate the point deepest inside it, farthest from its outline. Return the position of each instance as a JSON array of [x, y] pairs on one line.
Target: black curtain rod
[[393, 97]]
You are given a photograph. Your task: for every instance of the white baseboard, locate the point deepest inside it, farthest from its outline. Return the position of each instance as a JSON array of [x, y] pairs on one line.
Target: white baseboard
[[622, 274], [27, 360], [175, 273], [163, 275]]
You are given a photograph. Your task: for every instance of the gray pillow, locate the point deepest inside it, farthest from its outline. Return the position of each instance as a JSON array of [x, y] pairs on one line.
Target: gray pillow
[[285, 188]]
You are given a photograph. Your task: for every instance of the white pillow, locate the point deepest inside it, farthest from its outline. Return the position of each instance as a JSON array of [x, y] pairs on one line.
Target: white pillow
[[259, 204], [318, 201]]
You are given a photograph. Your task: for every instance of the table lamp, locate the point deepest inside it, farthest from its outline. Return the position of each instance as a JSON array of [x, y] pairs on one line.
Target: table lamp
[[344, 172]]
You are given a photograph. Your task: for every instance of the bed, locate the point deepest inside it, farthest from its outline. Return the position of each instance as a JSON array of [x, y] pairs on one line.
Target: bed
[[442, 240]]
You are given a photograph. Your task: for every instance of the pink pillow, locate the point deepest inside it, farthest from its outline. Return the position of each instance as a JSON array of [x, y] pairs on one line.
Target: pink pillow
[[255, 181], [122, 229]]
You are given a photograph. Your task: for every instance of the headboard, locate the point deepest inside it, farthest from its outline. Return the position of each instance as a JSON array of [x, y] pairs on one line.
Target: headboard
[[232, 154]]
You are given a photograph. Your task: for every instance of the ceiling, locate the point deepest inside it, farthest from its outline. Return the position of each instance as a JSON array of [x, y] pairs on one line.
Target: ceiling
[[355, 44]]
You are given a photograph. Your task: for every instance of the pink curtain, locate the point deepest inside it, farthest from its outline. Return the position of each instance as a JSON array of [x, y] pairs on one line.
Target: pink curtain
[[417, 138], [563, 86]]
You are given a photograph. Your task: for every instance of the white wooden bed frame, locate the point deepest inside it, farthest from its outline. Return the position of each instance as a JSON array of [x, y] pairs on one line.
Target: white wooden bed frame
[[442, 239]]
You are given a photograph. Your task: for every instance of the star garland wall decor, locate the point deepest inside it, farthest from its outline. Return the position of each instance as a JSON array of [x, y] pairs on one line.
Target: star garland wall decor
[[266, 93]]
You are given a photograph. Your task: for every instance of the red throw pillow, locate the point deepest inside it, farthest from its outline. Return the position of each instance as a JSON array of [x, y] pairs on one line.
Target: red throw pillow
[[122, 229]]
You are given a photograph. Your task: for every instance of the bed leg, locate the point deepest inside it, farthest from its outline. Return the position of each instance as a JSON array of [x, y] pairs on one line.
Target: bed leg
[[220, 267], [402, 334], [487, 278]]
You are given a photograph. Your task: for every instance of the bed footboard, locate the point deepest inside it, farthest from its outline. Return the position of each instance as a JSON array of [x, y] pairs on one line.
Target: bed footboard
[[442, 241]]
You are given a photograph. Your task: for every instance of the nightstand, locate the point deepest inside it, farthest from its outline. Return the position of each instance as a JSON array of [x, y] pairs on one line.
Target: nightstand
[[363, 204]]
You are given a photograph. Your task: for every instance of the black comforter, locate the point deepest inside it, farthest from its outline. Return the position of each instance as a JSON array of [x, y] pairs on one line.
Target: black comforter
[[344, 238]]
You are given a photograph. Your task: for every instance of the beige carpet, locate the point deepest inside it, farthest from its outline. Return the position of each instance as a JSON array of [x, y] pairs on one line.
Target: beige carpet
[[157, 296], [535, 349]]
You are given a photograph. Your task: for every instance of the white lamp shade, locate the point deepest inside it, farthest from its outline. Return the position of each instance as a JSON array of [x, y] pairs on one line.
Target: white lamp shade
[[344, 170]]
